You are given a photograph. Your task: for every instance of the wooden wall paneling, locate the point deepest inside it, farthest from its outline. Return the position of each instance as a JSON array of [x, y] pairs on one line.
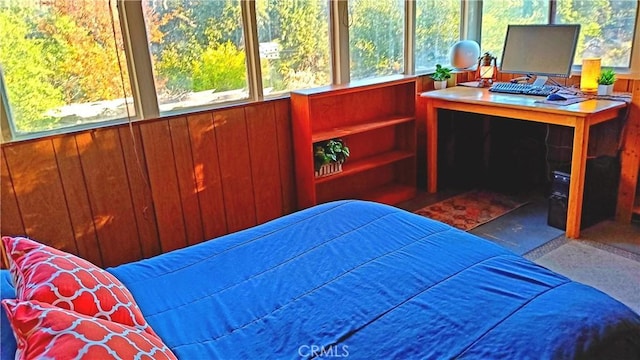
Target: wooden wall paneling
[[75, 191], [623, 85], [285, 154], [630, 160], [11, 223], [186, 180], [207, 174], [140, 190], [165, 190], [39, 193], [425, 83], [265, 162], [106, 179], [235, 167]]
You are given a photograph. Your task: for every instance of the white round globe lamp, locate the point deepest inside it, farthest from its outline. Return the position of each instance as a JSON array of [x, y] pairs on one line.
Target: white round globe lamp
[[464, 54]]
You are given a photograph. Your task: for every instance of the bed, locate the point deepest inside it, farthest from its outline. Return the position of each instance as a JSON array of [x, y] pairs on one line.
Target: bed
[[363, 280]]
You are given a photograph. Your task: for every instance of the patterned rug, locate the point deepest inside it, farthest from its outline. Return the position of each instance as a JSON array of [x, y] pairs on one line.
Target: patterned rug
[[471, 209]]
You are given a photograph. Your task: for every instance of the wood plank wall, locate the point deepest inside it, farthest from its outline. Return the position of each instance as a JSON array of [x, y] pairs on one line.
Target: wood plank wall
[[123, 193]]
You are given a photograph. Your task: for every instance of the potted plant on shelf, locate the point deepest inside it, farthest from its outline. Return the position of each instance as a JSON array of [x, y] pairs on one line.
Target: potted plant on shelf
[[605, 81], [440, 77], [328, 156]]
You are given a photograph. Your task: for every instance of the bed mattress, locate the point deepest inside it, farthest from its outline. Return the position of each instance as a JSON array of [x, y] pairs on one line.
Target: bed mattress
[[363, 280]]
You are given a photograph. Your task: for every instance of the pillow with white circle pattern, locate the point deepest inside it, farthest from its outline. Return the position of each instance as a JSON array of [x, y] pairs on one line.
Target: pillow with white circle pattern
[[52, 276], [44, 331]]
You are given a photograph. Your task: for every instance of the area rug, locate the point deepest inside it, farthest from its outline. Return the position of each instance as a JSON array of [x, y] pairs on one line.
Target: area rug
[[471, 209]]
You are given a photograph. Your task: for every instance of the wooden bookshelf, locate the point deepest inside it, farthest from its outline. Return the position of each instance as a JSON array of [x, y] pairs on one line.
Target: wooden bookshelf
[[376, 120]]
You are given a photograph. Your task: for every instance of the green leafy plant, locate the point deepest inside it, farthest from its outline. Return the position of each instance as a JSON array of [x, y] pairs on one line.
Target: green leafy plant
[[607, 77], [441, 73], [329, 151]]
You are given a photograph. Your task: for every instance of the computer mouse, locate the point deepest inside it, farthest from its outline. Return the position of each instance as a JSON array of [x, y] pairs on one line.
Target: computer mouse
[[555, 97]]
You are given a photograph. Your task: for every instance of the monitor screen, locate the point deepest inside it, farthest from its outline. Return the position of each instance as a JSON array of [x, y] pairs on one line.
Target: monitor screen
[[545, 50]]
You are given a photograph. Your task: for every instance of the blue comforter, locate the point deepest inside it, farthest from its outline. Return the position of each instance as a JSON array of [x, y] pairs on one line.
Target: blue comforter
[[363, 280]]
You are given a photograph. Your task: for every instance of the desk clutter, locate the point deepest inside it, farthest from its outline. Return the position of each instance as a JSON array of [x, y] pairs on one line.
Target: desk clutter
[[543, 96]]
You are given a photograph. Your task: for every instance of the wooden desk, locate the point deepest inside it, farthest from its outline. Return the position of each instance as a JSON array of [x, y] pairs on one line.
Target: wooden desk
[[580, 116]]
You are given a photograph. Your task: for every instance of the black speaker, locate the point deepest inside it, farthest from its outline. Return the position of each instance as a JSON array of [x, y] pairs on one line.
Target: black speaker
[[599, 196]]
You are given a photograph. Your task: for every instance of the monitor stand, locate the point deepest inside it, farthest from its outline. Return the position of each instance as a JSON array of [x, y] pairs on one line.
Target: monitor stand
[[540, 81]]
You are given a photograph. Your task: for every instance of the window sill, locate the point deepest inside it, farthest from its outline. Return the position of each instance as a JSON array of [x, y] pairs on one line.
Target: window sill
[[76, 129]]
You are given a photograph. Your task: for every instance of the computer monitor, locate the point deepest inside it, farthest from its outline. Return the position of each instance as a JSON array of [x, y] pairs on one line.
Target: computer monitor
[[540, 50]]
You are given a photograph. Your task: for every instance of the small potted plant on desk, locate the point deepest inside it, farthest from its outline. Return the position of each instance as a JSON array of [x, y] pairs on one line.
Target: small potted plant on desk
[[328, 156], [440, 77], [605, 82]]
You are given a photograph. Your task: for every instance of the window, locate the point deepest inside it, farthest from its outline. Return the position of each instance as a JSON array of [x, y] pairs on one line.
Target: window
[[197, 52], [376, 38], [607, 26], [437, 29], [294, 44], [497, 14], [60, 61], [63, 63]]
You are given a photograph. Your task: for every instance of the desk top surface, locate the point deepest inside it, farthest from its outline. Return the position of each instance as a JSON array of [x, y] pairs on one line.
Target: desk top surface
[[482, 96]]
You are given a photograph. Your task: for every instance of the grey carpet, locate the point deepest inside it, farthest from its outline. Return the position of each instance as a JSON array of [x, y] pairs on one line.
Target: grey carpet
[[604, 267]]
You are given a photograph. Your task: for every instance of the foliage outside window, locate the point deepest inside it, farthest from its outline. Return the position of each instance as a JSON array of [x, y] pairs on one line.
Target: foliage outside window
[[607, 26], [197, 52], [63, 61], [294, 44], [60, 63], [437, 29], [496, 15], [376, 38]]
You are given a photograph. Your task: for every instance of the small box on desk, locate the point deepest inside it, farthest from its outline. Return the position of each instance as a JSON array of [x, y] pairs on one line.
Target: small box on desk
[[599, 196]]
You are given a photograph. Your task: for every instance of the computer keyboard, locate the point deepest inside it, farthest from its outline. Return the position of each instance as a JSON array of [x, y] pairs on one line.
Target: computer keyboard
[[525, 89]]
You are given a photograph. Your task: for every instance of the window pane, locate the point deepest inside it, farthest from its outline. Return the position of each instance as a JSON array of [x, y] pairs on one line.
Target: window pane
[[606, 30], [294, 44], [197, 50], [60, 63], [497, 14], [376, 38], [437, 28]]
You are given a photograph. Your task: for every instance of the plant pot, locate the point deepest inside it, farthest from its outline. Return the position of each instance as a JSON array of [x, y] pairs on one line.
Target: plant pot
[[439, 84], [605, 89], [329, 169]]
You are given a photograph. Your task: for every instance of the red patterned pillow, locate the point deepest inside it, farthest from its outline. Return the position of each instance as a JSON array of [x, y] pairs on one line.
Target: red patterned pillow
[[50, 332], [55, 277]]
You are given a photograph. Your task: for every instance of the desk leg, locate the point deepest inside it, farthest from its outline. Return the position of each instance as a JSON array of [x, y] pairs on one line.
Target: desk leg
[[432, 147], [578, 170]]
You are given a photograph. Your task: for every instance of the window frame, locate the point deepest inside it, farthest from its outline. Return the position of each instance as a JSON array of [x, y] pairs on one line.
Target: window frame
[[139, 61]]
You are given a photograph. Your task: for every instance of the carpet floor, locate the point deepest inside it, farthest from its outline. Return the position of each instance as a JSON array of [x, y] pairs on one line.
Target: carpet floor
[[607, 268]]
